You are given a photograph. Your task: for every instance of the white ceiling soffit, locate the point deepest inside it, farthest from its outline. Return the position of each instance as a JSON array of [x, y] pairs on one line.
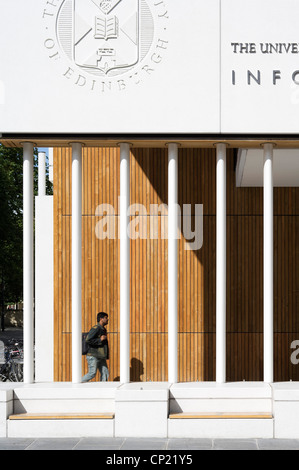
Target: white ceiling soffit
[[249, 170]]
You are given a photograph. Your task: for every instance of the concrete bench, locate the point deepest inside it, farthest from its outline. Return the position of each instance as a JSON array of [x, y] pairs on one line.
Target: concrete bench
[[59, 424], [62, 416], [220, 415]]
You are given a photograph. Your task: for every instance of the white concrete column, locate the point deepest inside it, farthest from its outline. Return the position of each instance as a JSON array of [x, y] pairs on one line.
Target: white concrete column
[[28, 315], [268, 262], [50, 159], [221, 263], [76, 262], [41, 173], [124, 260], [172, 263]]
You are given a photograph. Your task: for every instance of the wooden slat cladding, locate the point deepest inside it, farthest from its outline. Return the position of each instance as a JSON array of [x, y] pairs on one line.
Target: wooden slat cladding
[[197, 268], [100, 272]]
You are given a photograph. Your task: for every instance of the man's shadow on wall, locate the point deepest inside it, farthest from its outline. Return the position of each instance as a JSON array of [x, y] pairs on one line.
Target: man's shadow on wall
[[136, 371]]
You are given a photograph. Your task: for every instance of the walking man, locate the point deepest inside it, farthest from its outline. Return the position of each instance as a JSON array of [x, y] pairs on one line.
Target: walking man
[[98, 350]]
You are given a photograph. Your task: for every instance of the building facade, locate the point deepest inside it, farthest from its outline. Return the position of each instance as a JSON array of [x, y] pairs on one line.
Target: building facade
[[175, 210]]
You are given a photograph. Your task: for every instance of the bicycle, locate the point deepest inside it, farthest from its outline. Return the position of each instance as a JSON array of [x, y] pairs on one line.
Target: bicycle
[[16, 348], [11, 370]]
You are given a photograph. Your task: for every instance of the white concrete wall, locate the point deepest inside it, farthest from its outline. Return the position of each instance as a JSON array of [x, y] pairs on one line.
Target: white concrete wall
[[141, 409], [44, 298], [286, 410]]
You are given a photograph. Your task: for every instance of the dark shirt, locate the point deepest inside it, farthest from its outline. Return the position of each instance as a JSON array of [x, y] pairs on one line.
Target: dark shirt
[[97, 348]]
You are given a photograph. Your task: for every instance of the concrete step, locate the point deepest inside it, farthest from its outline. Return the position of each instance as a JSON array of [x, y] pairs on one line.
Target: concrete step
[[65, 398], [213, 398]]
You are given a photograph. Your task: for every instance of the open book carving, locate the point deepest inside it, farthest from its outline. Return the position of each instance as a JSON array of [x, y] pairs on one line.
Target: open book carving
[[106, 27]]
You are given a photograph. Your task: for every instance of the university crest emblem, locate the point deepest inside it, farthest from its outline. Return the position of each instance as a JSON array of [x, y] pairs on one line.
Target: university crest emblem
[[106, 44], [106, 34]]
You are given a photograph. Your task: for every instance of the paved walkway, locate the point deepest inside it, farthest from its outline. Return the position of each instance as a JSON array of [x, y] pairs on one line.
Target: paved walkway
[[152, 444]]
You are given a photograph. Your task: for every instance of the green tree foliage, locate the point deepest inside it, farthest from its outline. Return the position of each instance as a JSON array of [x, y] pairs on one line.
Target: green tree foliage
[[11, 222]]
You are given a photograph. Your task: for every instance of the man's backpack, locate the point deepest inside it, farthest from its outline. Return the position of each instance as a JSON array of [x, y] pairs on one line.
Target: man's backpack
[[85, 346]]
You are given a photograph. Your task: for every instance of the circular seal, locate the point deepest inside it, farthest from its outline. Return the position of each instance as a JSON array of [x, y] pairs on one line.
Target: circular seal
[[107, 39]]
